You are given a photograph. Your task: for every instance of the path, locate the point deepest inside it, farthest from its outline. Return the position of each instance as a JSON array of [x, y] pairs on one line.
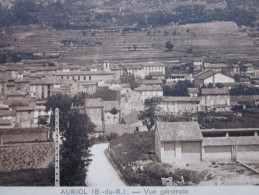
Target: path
[[100, 171]]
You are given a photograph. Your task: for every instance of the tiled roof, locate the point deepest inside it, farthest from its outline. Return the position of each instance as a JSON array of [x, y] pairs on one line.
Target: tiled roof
[[231, 130], [7, 112], [24, 108], [193, 90], [243, 98], [226, 141], [119, 129], [215, 91], [44, 81], [108, 105], [204, 75], [152, 64], [5, 122], [93, 103], [149, 88], [179, 131], [131, 117], [152, 82], [77, 73], [209, 65], [180, 74], [17, 93], [25, 130], [133, 66], [157, 74], [180, 99]]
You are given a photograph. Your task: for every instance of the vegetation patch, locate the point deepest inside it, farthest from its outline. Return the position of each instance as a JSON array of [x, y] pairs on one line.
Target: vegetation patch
[[28, 177], [133, 155]]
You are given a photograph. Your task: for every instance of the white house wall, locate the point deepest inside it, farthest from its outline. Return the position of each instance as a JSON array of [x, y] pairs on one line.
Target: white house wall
[[217, 153], [219, 78], [248, 152], [191, 151]]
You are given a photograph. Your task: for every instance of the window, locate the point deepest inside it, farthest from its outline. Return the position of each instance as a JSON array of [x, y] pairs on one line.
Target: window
[[79, 78], [169, 146]]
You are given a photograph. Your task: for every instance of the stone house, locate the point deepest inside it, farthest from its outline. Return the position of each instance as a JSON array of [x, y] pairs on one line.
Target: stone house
[[86, 76], [149, 91], [135, 69], [244, 101], [94, 109], [110, 118], [198, 64], [175, 77], [208, 76], [178, 105], [25, 117], [230, 69], [153, 67], [86, 87], [7, 118], [217, 99], [117, 70], [118, 129], [193, 92], [131, 119], [67, 68], [22, 85], [16, 98], [177, 142], [152, 82], [157, 75], [215, 67], [41, 89]]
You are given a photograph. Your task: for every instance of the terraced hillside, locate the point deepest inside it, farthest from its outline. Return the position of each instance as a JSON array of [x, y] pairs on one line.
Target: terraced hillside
[[121, 31], [216, 40]]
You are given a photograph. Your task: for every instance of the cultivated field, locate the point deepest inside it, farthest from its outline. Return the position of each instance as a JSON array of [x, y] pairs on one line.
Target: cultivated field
[[217, 40]]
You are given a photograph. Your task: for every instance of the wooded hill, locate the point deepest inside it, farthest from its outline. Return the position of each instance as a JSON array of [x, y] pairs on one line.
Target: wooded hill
[[88, 14]]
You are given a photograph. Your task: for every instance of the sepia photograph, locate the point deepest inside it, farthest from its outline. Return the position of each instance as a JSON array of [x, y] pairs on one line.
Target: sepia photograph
[[161, 96]]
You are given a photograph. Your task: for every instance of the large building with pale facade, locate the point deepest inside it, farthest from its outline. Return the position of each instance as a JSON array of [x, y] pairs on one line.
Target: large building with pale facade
[[149, 91], [209, 77], [181, 142], [178, 141]]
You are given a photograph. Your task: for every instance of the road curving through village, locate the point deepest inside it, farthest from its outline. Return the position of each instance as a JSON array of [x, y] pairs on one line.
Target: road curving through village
[[100, 171]]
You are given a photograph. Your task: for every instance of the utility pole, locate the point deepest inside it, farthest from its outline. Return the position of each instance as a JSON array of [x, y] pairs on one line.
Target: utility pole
[[57, 163]]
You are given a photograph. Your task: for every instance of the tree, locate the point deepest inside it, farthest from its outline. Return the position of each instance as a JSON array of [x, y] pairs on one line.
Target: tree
[[169, 46], [242, 89], [148, 77], [74, 152], [113, 111], [106, 94], [179, 89], [3, 58], [237, 77], [148, 116], [16, 58], [219, 85], [133, 83], [74, 130], [189, 50]]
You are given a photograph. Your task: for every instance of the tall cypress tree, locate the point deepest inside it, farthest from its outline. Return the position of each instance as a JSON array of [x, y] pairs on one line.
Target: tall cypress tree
[[74, 130]]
